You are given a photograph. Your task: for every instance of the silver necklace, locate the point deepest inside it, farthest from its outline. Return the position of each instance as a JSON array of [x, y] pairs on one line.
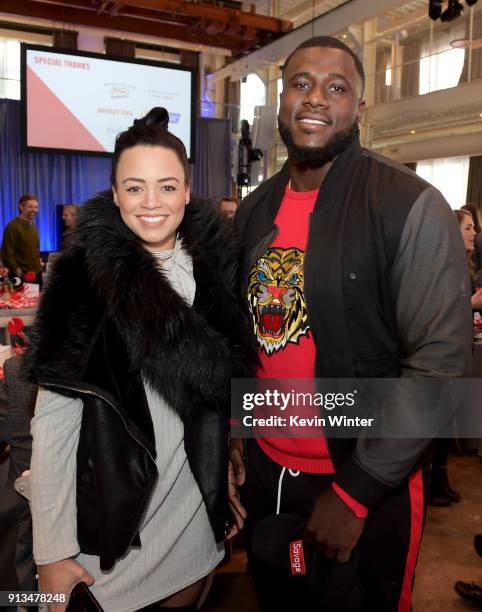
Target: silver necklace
[[163, 254]]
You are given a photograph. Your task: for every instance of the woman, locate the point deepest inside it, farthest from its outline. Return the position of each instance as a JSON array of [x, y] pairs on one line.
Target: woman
[[476, 255], [69, 215], [467, 229], [136, 339], [441, 493]]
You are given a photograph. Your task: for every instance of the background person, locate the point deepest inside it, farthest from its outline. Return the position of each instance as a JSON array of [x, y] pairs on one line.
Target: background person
[[474, 210], [228, 206], [134, 352], [20, 244], [467, 229], [441, 494], [69, 215], [467, 218]]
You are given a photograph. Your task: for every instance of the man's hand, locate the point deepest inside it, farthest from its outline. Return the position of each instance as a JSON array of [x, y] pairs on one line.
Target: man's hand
[[332, 528], [61, 577], [236, 477]]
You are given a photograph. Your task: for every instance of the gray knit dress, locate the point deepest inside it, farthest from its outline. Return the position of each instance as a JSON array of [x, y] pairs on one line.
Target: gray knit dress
[[178, 545]]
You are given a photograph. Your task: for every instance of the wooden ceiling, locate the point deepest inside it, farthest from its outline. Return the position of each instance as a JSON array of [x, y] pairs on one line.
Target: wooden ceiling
[[202, 23]]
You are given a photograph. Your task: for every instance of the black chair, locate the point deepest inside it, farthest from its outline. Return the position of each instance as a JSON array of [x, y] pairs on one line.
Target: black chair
[[17, 567]]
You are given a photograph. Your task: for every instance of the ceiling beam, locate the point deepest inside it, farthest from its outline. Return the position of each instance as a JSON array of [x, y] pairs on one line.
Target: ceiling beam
[[73, 13], [20, 24], [216, 13]]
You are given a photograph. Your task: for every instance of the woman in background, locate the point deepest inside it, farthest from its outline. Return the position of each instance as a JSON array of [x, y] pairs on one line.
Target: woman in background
[[136, 340], [441, 493], [467, 229], [473, 209], [69, 215]]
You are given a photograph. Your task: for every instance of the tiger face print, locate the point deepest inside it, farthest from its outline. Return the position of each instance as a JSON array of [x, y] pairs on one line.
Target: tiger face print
[[276, 299]]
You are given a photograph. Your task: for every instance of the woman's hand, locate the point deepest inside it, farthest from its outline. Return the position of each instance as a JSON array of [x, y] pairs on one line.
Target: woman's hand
[[236, 477], [61, 577]]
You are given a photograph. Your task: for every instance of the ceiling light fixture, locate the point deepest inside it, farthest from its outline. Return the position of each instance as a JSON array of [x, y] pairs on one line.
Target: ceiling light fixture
[[454, 10], [434, 9]]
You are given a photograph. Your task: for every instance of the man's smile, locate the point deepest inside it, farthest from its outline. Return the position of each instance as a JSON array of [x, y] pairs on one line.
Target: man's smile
[[314, 120]]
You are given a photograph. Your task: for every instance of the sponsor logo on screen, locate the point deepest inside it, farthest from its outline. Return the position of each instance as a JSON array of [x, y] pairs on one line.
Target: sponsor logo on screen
[[119, 90]]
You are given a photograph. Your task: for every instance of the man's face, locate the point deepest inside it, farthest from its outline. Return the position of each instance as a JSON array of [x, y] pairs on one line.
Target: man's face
[[320, 102], [29, 210], [228, 208]]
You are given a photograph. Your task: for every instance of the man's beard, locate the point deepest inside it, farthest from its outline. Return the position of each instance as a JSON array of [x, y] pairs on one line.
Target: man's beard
[[315, 157]]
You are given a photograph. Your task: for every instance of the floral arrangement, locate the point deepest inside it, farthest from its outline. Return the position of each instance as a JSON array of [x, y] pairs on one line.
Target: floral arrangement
[[12, 290]]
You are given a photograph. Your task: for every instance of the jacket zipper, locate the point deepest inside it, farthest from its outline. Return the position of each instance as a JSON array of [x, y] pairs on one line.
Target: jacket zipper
[[88, 392], [256, 252]]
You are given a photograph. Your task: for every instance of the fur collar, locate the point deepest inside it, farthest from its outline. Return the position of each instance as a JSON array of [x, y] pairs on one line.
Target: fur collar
[[106, 276]]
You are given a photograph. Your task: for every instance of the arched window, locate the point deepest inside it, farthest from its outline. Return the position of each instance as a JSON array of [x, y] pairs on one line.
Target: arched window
[[253, 93]]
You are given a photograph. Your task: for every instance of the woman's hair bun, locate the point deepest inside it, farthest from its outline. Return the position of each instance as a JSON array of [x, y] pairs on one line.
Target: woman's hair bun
[[156, 116]]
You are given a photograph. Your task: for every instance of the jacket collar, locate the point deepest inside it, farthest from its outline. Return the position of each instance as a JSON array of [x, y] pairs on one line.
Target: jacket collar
[[341, 168], [254, 220]]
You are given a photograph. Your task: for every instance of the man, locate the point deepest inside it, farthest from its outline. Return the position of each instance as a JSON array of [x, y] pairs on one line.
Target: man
[[228, 206], [20, 244], [353, 267]]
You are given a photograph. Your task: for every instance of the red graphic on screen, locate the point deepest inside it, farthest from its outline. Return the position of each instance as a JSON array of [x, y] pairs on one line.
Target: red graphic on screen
[[51, 124]]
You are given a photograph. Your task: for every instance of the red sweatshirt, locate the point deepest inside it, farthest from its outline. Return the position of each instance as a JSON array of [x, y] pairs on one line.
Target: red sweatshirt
[[287, 349]]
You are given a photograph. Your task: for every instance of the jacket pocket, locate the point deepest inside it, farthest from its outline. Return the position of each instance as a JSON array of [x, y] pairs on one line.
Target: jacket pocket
[[359, 270]]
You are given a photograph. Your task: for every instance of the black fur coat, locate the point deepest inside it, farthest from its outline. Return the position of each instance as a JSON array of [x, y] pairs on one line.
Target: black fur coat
[[109, 319], [187, 354]]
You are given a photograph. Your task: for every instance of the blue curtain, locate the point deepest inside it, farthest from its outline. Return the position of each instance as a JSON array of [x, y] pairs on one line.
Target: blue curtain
[[61, 179], [53, 178], [211, 174]]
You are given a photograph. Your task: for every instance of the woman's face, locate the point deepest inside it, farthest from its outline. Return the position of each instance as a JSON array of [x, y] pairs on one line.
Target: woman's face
[[68, 217], [468, 232], [151, 193]]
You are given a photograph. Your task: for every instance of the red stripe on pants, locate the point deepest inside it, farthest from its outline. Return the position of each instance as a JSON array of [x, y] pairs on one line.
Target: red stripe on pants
[[416, 523]]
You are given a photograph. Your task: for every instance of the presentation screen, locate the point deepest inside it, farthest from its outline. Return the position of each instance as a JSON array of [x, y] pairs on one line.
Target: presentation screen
[[79, 102]]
